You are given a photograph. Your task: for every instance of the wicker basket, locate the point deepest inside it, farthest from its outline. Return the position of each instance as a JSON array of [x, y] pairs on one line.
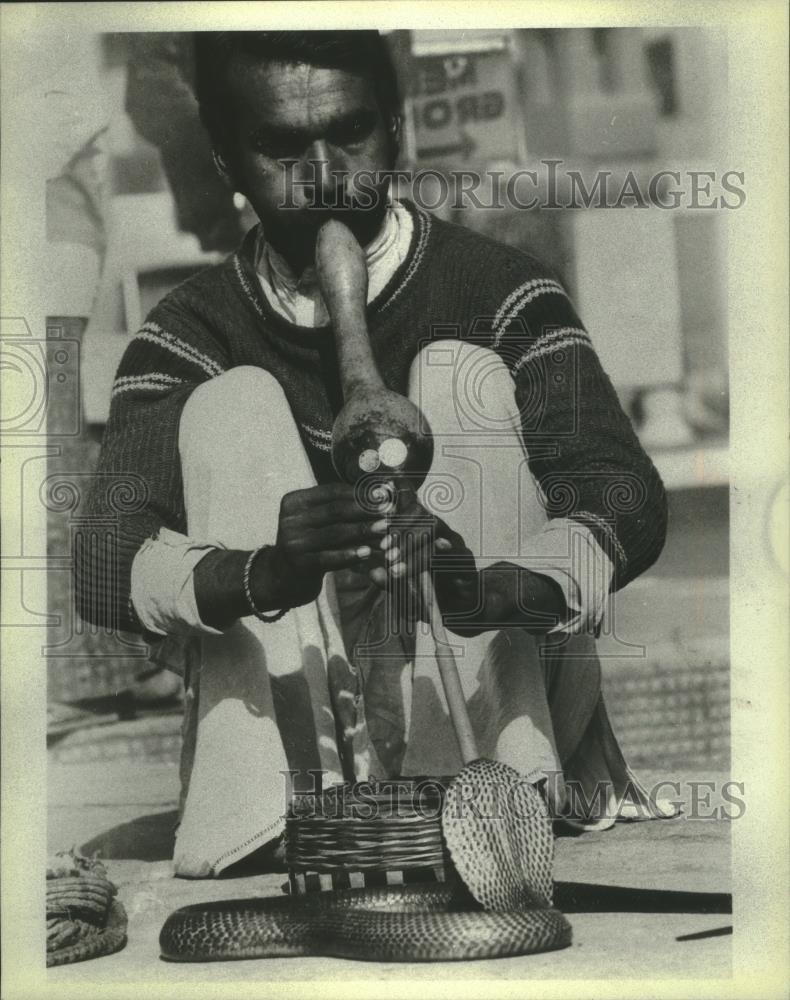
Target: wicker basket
[[367, 834]]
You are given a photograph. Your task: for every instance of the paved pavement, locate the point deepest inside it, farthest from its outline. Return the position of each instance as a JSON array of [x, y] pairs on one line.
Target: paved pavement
[[645, 900]]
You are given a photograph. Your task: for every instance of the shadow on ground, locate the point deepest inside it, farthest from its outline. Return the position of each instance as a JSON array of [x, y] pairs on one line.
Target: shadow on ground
[[585, 897], [147, 838]]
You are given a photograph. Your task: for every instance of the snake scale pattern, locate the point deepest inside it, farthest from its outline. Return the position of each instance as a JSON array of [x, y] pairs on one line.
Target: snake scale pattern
[[425, 923], [498, 906]]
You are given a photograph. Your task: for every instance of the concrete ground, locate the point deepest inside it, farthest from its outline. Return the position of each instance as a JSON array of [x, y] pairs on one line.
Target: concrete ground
[[646, 900]]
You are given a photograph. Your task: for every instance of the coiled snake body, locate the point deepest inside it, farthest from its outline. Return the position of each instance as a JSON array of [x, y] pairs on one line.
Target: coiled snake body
[[408, 924], [499, 904]]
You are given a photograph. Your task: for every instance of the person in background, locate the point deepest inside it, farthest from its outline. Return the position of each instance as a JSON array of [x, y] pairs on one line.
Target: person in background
[[256, 574], [161, 104]]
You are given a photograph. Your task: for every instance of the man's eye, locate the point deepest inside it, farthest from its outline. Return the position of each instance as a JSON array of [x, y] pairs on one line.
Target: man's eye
[[276, 147], [351, 132]]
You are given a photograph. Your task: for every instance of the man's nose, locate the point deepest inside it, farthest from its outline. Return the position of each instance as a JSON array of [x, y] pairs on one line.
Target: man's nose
[[325, 168]]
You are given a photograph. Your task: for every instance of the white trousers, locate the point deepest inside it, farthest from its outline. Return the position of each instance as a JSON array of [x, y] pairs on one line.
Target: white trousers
[[326, 689]]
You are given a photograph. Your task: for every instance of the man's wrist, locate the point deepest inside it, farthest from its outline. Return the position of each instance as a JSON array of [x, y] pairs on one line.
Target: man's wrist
[[254, 606], [514, 596], [269, 586], [220, 591]]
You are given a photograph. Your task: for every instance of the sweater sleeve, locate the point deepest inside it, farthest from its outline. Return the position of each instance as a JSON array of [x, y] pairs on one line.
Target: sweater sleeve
[[137, 487], [581, 447]]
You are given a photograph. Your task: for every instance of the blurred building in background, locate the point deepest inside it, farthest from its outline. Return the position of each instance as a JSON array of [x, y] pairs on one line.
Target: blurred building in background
[[604, 104], [135, 206]]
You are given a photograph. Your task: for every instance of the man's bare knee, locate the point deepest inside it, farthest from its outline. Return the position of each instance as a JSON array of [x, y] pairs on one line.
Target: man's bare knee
[[225, 410], [462, 387]]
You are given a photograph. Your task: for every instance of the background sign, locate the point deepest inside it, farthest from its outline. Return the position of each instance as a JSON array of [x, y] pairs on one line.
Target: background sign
[[462, 108]]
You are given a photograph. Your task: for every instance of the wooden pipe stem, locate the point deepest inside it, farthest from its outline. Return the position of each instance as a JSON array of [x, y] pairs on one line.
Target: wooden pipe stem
[[448, 671], [343, 279]]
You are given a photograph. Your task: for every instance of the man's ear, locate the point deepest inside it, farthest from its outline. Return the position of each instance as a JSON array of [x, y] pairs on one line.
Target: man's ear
[[222, 168], [394, 131]]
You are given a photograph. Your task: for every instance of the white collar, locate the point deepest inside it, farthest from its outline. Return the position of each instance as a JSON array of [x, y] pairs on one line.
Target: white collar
[[299, 300]]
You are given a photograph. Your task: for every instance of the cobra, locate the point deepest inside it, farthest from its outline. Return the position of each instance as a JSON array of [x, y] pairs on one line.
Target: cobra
[[486, 910], [410, 924]]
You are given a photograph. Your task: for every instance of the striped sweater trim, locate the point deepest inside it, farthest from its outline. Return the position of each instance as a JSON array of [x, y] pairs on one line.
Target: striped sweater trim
[[424, 224], [317, 432], [318, 438], [566, 336], [606, 528], [424, 228], [157, 381], [154, 333], [242, 277], [520, 297]]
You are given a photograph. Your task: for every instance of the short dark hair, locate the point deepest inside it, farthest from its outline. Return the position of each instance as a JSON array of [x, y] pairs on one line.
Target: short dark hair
[[362, 52]]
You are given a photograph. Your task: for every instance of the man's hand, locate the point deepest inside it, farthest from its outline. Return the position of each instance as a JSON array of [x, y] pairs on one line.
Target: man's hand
[[417, 540], [320, 529], [471, 601]]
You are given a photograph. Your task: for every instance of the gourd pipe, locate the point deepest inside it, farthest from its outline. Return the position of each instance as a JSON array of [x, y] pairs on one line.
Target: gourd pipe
[[379, 430], [343, 278]]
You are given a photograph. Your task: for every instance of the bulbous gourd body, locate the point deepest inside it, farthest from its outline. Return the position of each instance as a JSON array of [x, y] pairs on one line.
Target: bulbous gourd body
[[378, 433], [381, 432]]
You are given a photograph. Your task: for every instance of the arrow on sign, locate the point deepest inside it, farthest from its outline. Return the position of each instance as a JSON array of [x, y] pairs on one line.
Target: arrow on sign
[[465, 147]]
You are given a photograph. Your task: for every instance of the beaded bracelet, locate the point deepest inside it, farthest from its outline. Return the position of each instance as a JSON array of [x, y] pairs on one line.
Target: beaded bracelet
[[260, 615]]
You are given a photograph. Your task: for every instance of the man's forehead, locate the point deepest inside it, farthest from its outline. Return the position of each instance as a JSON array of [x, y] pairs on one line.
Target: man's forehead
[[297, 94]]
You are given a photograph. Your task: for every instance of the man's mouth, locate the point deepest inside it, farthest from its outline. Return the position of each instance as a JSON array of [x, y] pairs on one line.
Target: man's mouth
[[337, 207], [295, 231], [359, 219]]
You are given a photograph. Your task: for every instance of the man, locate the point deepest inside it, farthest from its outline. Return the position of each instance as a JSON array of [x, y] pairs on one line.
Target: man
[[261, 578]]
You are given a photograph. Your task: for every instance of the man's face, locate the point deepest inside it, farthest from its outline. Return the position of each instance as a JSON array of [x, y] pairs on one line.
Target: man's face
[[302, 133]]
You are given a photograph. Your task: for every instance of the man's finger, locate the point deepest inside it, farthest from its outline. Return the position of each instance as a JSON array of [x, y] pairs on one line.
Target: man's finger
[[343, 558], [341, 511], [334, 536], [414, 545], [317, 495]]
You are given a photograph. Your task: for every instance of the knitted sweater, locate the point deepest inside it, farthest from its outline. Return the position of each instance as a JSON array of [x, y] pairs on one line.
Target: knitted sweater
[[581, 447]]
